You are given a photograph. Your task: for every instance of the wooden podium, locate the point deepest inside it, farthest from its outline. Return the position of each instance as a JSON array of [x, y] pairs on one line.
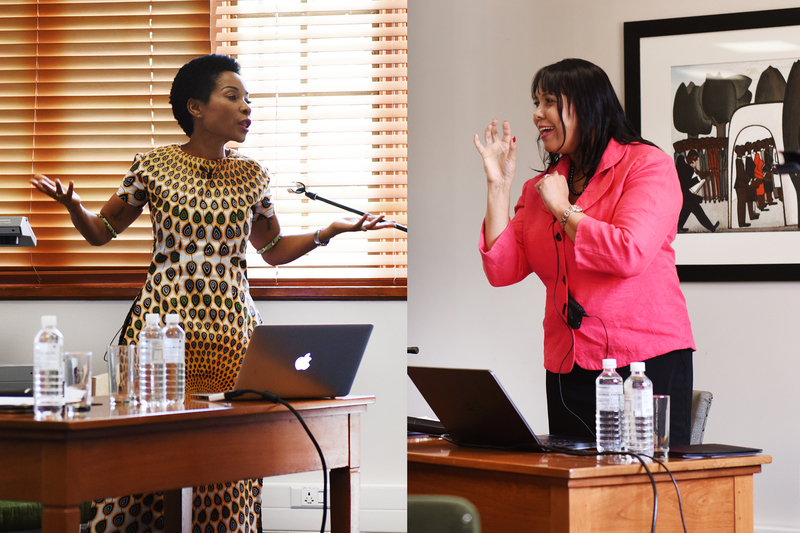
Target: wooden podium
[[556, 493]]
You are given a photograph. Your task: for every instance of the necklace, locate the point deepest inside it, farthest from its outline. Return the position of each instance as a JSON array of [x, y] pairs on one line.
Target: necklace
[[571, 180]]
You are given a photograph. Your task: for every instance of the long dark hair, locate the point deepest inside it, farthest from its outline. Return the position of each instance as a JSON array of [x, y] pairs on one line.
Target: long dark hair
[[599, 114]]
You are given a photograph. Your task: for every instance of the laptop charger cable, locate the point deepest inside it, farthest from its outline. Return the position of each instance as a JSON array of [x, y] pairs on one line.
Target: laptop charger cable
[[274, 398]]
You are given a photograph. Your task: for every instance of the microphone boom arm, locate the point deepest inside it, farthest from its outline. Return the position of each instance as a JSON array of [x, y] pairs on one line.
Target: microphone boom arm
[[301, 189]]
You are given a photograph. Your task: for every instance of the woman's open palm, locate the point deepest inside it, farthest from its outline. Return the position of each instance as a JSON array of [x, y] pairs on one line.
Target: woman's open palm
[[499, 155]]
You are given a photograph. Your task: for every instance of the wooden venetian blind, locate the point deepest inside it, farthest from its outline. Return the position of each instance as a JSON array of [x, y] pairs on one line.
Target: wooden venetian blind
[[328, 85], [83, 87]]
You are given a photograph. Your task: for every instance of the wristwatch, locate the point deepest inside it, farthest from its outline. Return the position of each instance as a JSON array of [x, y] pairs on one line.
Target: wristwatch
[[572, 209], [317, 241]]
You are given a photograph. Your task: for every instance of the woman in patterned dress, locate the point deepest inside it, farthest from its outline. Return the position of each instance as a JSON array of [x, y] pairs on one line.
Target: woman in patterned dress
[[205, 202]]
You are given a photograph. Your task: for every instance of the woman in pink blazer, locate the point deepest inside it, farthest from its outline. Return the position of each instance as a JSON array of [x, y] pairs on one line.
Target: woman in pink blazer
[[597, 228]]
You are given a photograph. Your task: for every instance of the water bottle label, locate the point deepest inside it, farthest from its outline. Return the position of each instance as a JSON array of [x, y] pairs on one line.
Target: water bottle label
[[47, 356], [157, 351], [151, 351], [173, 351], [609, 398], [642, 403]]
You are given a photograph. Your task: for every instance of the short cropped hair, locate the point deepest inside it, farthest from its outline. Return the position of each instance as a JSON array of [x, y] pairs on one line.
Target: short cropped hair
[[197, 79]]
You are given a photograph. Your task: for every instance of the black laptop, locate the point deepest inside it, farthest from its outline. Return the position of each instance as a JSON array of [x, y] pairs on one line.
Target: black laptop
[[301, 361], [475, 410]]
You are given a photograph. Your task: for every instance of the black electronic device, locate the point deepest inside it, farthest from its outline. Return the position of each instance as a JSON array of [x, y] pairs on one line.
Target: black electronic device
[[425, 425], [703, 451], [475, 410], [575, 313]]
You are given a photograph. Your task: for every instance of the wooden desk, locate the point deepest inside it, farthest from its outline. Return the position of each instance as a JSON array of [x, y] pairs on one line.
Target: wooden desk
[[518, 492], [122, 451]]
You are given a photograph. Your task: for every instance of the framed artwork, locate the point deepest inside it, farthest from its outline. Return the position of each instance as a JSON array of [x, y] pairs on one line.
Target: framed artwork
[[721, 94]]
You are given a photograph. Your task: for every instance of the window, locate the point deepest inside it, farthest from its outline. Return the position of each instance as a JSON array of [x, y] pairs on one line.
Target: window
[[328, 85], [84, 86]]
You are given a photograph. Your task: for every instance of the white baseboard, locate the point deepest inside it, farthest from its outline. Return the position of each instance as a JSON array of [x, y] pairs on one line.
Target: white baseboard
[[775, 529], [383, 510]]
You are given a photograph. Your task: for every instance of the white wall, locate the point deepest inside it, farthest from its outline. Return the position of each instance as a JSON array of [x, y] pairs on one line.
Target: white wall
[[473, 60], [92, 325]]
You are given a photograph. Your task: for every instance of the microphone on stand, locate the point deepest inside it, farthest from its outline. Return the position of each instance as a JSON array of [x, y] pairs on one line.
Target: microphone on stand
[[301, 189]]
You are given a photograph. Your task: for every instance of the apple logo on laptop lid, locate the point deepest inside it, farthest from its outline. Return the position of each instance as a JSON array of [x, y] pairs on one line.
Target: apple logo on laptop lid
[[303, 362]]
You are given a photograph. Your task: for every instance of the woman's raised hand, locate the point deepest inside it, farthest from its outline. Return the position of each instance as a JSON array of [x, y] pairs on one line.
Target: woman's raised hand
[[56, 191], [499, 155], [499, 163]]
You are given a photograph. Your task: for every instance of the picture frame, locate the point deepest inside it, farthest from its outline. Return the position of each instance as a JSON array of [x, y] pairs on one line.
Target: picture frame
[[651, 49]]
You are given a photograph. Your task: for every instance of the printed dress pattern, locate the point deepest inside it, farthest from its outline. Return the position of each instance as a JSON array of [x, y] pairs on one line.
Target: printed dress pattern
[[202, 213]]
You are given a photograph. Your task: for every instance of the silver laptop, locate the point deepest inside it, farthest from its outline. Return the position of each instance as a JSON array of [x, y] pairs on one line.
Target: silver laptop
[[304, 361]]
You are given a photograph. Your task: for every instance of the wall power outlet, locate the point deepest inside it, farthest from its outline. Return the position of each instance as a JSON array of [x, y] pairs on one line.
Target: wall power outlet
[[307, 497]]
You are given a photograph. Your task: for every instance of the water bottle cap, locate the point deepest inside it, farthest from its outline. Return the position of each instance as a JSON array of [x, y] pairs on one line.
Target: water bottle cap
[[172, 318], [48, 320], [151, 318], [609, 364], [637, 367]]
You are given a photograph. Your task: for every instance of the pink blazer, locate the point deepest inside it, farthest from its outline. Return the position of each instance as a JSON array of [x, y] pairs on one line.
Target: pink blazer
[[621, 267]]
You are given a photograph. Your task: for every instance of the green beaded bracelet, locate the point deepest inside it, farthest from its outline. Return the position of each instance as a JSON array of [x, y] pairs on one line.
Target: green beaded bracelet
[[270, 245], [108, 226]]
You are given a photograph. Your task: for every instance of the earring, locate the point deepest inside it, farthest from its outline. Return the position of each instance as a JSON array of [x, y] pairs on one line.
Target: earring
[[199, 116]]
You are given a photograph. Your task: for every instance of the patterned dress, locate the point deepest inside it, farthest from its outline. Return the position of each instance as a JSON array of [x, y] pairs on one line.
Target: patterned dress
[[202, 213]]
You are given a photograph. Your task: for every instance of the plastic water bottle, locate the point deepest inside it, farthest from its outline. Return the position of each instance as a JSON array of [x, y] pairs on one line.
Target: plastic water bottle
[[639, 411], [175, 357], [610, 402], [48, 370], [152, 375]]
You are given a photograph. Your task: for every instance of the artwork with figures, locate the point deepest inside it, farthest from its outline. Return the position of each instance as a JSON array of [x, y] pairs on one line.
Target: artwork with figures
[[729, 123]]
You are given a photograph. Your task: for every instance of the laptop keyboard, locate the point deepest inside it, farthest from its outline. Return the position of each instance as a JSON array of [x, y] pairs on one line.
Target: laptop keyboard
[[565, 442]]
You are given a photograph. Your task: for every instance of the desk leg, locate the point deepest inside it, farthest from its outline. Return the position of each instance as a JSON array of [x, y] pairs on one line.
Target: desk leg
[[178, 510], [344, 505], [61, 519], [743, 504]]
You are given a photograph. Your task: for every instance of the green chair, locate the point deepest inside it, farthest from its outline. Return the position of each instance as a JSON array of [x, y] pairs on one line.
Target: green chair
[[25, 516], [442, 514]]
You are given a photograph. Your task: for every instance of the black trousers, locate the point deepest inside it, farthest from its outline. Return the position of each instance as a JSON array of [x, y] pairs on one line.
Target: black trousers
[[571, 396]]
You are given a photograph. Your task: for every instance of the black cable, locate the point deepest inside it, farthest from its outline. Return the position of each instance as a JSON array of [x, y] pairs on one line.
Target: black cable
[[556, 238], [561, 394], [585, 453], [605, 329], [655, 490], [274, 398], [677, 491], [641, 458], [128, 318], [119, 332], [125, 324]]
